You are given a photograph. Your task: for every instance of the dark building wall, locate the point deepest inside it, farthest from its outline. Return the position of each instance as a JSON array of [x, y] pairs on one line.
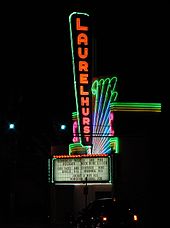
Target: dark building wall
[[140, 161]]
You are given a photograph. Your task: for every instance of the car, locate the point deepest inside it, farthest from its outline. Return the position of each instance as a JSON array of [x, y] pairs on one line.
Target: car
[[107, 213]]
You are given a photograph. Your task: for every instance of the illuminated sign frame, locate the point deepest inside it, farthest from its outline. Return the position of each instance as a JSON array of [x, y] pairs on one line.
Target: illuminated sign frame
[[75, 169]]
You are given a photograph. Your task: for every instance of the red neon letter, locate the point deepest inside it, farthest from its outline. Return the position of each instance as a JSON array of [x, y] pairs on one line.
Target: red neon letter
[[86, 121], [87, 137], [82, 38], [82, 55], [85, 111], [83, 66], [86, 129], [84, 101], [82, 92], [83, 78], [79, 27]]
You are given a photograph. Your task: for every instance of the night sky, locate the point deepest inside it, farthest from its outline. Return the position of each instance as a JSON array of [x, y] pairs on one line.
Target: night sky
[[130, 43], [37, 79]]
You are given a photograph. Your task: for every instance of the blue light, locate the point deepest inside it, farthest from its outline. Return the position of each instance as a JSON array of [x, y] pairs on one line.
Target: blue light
[[63, 126], [11, 126]]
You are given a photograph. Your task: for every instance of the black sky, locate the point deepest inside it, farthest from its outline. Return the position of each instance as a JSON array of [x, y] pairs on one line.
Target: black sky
[[36, 66], [36, 72], [131, 42]]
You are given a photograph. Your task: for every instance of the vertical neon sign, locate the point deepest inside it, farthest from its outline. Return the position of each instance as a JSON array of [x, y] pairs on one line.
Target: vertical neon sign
[[81, 46]]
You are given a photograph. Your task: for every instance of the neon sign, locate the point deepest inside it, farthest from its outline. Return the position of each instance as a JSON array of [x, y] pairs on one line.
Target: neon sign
[[82, 59], [96, 99]]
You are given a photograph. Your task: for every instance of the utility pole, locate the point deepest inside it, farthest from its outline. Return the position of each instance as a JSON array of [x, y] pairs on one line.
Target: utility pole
[[85, 192]]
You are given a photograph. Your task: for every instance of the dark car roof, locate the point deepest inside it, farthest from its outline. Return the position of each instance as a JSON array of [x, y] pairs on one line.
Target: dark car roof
[[109, 205], [112, 201], [118, 211]]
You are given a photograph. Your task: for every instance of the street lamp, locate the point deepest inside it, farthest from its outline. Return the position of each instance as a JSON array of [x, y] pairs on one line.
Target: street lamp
[[63, 127], [11, 126]]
